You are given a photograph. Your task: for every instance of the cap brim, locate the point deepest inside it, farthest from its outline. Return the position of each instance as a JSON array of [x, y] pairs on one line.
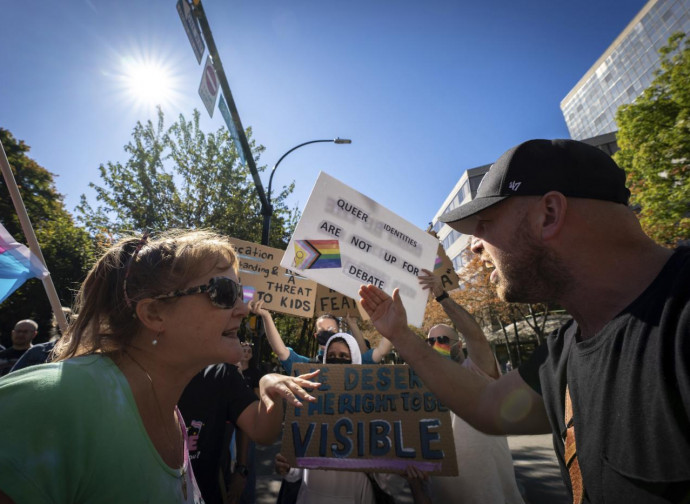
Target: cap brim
[[463, 218]]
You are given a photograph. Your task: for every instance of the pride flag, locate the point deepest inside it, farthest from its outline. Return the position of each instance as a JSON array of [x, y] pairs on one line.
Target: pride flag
[[17, 264], [247, 293], [316, 254], [438, 263]]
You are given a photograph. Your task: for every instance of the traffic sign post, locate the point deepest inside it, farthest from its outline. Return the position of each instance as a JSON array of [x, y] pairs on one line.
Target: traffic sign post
[[191, 28], [209, 87], [225, 112]]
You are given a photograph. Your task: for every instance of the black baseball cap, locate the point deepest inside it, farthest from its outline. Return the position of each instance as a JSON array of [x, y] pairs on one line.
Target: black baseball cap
[[535, 167]]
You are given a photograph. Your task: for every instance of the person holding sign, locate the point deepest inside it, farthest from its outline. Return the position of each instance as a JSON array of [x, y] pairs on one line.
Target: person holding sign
[[612, 385], [485, 465], [100, 423], [334, 487], [325, 327]]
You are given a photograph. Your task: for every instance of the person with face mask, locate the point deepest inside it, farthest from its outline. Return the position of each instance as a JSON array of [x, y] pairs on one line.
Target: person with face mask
[[326, 326], [334, 487]]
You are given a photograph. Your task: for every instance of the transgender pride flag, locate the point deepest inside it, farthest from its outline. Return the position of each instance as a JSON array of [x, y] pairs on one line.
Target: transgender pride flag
[[17, 264]]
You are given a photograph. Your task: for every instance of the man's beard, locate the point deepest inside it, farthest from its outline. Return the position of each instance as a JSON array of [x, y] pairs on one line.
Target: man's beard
[[532, 273]]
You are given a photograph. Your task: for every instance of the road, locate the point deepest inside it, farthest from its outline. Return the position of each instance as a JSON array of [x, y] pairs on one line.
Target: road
[[536, 471]]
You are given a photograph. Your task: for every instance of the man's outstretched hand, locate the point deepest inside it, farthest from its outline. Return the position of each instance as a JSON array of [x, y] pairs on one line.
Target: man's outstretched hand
[[387, 313]]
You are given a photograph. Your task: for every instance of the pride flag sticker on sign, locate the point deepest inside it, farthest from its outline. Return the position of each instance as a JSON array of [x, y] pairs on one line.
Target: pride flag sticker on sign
[[316, 254]]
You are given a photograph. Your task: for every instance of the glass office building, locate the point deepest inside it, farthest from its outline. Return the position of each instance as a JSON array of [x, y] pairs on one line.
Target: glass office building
[[624, 70]]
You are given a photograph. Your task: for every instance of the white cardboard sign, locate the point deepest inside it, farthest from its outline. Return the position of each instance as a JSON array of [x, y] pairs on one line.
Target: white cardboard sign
[[345, 239]]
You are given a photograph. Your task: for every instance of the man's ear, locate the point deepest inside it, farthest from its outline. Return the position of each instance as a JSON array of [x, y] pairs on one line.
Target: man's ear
[[554, 206], [150, 314]]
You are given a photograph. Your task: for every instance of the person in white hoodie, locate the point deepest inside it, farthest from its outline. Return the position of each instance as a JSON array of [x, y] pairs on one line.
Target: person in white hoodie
[[334, 487]]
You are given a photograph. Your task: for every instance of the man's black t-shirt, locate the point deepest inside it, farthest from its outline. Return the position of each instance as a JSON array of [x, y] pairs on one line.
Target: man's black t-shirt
[[630, 388], [215, 396], [37, 354]]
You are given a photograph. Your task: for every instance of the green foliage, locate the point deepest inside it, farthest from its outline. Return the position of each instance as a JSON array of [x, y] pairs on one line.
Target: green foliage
[[180, 177], [654, 138], [67, 249]]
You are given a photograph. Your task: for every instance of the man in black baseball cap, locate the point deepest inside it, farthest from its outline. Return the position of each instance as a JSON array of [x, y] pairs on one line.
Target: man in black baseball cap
[[613, 384], [536, 167]]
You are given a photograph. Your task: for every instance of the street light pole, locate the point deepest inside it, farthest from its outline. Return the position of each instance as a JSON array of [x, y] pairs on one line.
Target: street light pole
[[267, 210]]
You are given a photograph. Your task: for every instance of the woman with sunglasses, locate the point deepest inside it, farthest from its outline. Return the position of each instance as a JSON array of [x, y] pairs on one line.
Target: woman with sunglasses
[[334, 487], [100, 424]]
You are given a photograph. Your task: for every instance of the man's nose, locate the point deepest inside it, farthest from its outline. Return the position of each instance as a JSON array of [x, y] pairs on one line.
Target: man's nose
[[476, 245]]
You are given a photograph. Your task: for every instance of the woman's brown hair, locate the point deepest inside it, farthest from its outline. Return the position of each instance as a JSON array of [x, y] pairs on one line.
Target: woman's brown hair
[[105, 318]]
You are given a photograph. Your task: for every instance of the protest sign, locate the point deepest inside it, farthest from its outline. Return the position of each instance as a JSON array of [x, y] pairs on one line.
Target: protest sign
[[444, 268], [345, 239], [369, 418], [335, 303], [261, 274]]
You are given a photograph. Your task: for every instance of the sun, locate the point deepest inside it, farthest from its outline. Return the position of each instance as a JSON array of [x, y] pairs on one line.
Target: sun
[[144, 79], [148, 82]]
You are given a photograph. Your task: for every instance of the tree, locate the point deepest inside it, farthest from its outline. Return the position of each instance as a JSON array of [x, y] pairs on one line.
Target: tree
[[478, 296], [180, 177], [654, 140], [67, 249]]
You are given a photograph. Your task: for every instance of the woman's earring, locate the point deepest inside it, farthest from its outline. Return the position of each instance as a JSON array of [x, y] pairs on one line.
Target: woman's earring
[[155, 338]]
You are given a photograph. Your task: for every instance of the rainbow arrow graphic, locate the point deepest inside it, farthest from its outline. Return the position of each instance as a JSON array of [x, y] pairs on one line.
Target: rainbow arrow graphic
[[317, 254]]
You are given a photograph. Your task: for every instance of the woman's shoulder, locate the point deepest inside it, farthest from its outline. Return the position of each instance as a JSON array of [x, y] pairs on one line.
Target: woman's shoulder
[[78, 379]]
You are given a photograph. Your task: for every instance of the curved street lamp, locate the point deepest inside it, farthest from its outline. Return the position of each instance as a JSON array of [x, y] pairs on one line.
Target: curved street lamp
[[267, 211]]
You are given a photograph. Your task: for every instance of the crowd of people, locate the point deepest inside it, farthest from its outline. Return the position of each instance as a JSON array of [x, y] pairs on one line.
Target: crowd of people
[[150, 396]]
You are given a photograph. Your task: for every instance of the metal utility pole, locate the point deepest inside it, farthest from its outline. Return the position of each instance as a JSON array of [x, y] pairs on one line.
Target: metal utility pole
[[225, 87]]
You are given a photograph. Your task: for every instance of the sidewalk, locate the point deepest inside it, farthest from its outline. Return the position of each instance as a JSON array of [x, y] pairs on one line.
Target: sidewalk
[[536, 471]]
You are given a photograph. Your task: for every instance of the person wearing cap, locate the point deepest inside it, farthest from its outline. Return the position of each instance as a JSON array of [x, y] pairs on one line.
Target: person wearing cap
[[612, 385]]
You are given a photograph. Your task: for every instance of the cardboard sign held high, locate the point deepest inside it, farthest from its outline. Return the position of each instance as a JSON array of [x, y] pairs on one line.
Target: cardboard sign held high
[[345, 239], [264, 279], [335, 303], [444, 269]]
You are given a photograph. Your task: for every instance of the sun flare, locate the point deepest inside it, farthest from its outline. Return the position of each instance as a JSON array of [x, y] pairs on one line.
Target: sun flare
[[146, 79], [148, 82]]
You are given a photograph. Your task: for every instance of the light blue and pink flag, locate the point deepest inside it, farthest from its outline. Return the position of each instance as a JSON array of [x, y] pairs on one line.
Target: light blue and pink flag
[[247, 293], [17, 264]]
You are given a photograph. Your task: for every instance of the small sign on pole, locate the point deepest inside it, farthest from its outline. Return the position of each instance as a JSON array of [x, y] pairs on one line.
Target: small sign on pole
[[191, 28], [209, 87], [225, 112]]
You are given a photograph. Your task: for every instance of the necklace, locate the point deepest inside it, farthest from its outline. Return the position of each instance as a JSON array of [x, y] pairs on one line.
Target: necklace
[[171, 442]]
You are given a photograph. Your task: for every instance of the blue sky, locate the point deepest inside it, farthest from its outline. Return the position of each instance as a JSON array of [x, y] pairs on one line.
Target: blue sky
[[424, 89]]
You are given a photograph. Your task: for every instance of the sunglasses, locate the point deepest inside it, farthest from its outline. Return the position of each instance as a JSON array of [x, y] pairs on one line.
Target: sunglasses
[[222, 291], [443, 340]]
